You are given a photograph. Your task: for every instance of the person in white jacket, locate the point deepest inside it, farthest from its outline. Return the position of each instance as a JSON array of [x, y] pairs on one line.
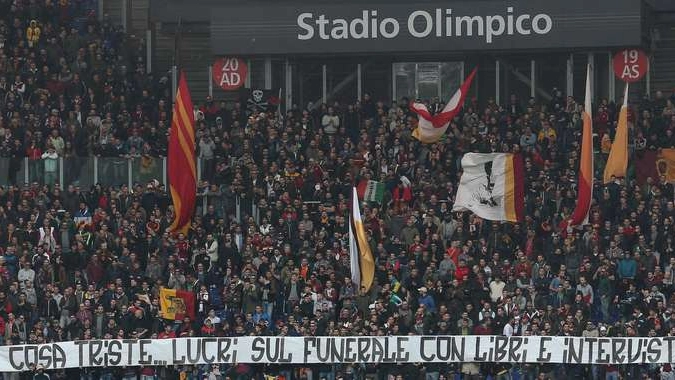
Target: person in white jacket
[[26, 274], [211, 246], [330, 122], [497, 288], [47, 237], [51, 165]]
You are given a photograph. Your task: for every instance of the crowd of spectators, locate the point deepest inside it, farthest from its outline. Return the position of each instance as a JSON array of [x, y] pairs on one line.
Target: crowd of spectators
[[268, 255]]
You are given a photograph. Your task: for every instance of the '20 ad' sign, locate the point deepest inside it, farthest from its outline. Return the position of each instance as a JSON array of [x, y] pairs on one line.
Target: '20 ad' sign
[[630, 65], [230, 73]]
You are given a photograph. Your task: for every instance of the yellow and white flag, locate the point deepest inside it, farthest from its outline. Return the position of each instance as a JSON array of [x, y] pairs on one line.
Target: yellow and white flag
[[492, 186], [617, 162], [361, 258]]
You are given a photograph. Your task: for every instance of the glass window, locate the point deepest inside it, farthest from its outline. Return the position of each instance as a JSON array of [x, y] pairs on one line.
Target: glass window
[[13, 172], [279, 77], [601, 84], [551, 73], [79, 171], [451, 79], [580, 64], [257, 73], [341, 81], [376, 79], [485, 81], [515, 80], [405, 81], [310, 79], [426, 80]]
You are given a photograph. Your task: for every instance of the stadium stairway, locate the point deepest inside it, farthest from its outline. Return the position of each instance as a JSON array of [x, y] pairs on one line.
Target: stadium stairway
[[139, 17], [194, 46], [113, 10], [663, 61], [195, 55]]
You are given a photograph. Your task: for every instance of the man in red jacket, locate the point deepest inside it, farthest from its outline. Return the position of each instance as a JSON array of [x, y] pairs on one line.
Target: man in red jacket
[[168, 333], [462, 272]]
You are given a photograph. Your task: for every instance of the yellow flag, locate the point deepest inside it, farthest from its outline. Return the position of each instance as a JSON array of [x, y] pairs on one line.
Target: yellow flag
[[361, 258], [617, 163], [176, 304]]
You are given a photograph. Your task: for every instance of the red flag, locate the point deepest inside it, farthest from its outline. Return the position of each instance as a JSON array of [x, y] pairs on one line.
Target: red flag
[[361, 188], [182, 168], [585, 187], [432, 128], [645, 166]]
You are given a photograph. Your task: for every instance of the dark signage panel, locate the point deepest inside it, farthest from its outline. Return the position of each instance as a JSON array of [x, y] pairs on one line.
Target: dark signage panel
[[424, 26]]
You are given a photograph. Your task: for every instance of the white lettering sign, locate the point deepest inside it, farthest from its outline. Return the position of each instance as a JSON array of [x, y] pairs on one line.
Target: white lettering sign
[[355, 349], [421, 23]]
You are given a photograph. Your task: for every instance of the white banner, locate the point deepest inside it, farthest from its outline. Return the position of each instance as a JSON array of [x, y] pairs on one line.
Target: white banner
[[485, 185], [361, 349]]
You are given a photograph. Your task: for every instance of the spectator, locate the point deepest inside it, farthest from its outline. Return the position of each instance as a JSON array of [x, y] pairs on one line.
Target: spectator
[[50, 158], [267, 252]]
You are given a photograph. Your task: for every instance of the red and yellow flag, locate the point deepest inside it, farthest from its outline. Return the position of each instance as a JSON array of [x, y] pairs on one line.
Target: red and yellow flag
[[617, 163], [182, 168], [585, 187], [176, 304]]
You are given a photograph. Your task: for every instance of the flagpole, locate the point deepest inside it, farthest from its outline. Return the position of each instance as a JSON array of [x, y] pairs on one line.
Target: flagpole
[[280, 115], [175, 68], [177, 42]]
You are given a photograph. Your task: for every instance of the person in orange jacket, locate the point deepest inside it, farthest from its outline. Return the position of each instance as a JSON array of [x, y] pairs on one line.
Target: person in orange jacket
[[33, 34]]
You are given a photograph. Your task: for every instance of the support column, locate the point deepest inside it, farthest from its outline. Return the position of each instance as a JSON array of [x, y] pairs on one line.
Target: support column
[[130, 173], [100, 10], [533, 78], [268, 73], [124, 6], [61, 173], [174, 83], [95, 169], [611, 79], [570, 76], [417, 90], [247, 83], [440, 87], [237, 212], [497, 80], [324, 83], [359, 84], [393, 82], [164, 177], [648, 81], [289, 84], [591, 63], [210, 75], [148, 51], [26, 174]]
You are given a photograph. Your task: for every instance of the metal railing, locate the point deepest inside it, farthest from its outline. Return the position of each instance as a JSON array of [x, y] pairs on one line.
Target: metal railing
[[109, 171], [83, 171]]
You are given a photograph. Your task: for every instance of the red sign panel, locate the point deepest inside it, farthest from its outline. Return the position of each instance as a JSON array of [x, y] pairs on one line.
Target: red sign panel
[[230, 73], [630, 65]]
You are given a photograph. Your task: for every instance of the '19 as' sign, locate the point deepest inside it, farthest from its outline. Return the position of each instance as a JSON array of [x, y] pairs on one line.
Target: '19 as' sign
[[229, 73], [630, 65]]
